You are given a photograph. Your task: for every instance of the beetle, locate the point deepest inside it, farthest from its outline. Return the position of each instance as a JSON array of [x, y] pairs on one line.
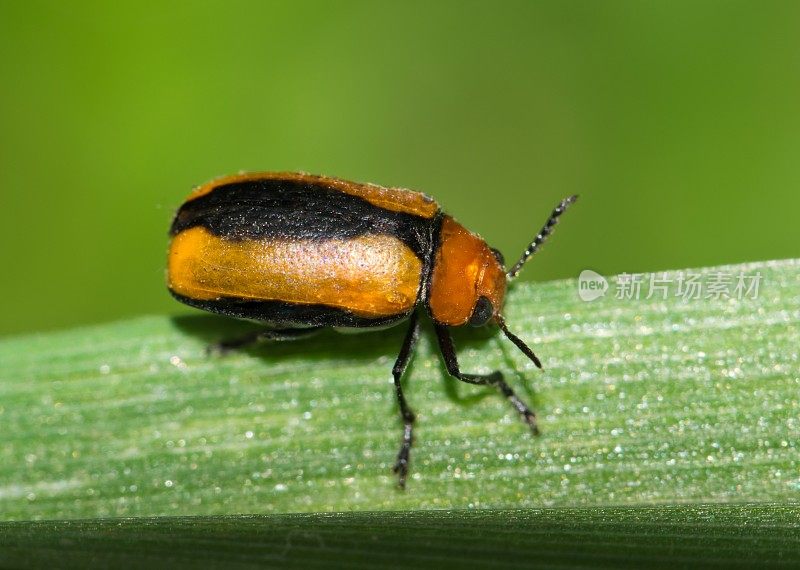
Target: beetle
[[301, 253]]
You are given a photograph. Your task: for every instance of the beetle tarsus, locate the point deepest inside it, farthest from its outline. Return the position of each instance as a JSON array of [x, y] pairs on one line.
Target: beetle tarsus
[[401, 466], [528, 416], [494, 379]]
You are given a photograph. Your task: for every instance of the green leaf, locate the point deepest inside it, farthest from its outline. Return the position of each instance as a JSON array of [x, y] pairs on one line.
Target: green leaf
[[641, 402], [721, 536]]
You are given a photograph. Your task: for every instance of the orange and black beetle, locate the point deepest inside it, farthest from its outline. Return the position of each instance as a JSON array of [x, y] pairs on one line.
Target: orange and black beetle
[[301, 253]]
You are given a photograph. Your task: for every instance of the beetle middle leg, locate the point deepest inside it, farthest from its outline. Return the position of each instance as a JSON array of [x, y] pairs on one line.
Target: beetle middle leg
[[401, 466], [258, 336], [448, 351]]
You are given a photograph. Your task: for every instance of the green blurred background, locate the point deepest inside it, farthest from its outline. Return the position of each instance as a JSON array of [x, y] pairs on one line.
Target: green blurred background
[[677, 122]]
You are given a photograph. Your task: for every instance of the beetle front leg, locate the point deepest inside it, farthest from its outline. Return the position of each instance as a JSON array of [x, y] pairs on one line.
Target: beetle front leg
[[401, 466], [448, 351]]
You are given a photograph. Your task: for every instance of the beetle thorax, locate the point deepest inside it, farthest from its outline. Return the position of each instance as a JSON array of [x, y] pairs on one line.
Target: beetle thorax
[[464, 270]]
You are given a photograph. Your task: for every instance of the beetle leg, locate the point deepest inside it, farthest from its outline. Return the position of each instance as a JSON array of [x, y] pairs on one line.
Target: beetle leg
[[448, 350], [255, 337], [401, 466]]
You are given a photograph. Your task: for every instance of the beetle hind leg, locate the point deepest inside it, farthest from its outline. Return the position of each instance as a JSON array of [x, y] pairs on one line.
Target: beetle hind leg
[[259, 336], [403, 456], [494, 379]]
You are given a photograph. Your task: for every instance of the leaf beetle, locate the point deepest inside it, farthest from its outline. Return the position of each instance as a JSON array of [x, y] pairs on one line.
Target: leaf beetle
[[300, 253]]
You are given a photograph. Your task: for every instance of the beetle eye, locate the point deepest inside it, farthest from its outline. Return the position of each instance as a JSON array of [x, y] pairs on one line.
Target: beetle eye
[[499, 257], [482, 313]]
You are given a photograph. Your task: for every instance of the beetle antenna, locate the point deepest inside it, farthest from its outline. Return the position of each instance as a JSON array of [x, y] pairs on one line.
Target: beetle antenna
[[518, 341], [541, 237]]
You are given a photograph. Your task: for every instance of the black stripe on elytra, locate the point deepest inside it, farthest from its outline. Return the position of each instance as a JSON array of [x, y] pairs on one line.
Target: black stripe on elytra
[[436, 242], [427, 268], [282, 313], [292, 209]]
